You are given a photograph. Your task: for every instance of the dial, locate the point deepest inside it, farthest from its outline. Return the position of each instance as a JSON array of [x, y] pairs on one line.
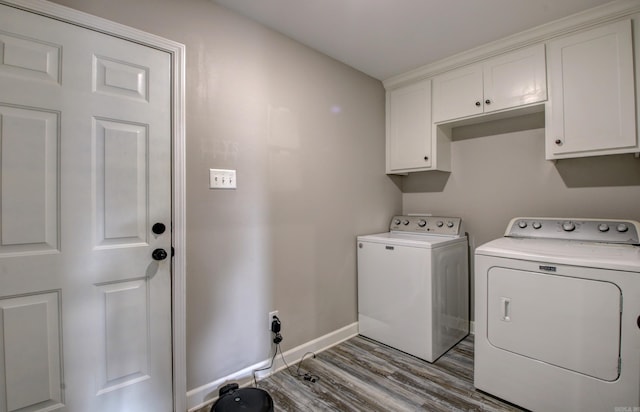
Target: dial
[[622, 228], [536, 225], [522, 224], [449, 224], [396, 221], [406, 222], [440, 223], [603, 227], [422, 223], [568, 226]]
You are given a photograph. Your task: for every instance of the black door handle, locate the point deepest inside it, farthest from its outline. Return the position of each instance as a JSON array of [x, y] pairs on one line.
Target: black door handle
[[159, 254]]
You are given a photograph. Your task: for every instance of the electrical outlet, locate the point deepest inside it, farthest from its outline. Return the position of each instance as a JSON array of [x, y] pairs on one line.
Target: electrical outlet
[[271, 315]]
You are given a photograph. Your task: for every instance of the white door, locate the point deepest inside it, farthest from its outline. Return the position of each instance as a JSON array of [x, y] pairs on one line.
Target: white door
[[571, 323], [85, 158], [409, 129], [515, 79], [458, 93], [592, 98]]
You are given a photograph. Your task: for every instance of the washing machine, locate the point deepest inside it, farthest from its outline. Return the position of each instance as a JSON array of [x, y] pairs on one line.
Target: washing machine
[[557, 315], [413, 285]]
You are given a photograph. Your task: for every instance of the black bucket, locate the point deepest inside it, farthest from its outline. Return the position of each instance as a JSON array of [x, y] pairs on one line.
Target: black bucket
[[233, 399]]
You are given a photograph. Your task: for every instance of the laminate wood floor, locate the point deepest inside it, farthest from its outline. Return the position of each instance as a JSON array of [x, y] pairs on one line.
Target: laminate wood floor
[[363, 375]]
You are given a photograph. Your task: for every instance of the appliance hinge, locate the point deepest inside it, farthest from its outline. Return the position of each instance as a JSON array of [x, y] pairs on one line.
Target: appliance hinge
[[620, 303]]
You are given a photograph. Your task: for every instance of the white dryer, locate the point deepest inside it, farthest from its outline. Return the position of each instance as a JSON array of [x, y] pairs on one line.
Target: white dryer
[[557, 315], [413, 285]]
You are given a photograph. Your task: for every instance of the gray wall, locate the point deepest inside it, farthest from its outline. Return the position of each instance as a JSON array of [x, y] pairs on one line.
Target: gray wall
[[306, 135], [499, 172]]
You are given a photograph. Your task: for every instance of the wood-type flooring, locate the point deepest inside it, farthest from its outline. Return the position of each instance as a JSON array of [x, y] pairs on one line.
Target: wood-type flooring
[[363, 375]]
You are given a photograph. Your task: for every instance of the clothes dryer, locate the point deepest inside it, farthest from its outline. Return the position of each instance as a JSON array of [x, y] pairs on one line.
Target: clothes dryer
[[557, 315]]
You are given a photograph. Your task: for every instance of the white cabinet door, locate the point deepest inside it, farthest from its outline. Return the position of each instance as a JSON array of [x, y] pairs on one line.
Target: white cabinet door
[[458, 93], [504, 82], [409, 128], [515, 79], [592, 107]]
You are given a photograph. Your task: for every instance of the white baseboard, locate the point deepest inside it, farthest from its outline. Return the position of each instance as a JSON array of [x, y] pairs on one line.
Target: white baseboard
[[208, 393]]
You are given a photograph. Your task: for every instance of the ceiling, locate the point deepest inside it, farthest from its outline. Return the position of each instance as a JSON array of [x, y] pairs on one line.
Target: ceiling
[[383, 38]]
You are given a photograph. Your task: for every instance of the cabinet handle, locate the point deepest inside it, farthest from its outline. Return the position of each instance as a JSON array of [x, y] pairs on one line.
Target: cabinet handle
[[426, 158], [559, 142], [487, 101], [478, 104]]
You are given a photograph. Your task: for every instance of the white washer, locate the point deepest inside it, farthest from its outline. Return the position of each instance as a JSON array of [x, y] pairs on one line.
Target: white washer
[[557, 320], [413, 285]]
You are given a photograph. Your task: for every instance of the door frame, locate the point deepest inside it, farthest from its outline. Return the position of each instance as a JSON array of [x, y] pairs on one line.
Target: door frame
[[178, 172]]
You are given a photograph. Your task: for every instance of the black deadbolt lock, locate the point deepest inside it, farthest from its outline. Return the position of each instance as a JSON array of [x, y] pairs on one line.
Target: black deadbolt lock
[[158, 228], [159, 254]]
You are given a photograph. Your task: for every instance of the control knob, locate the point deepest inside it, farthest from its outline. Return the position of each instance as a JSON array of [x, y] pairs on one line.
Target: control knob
[[568, 226], [536, 225], [449, 224], [440, 223], [522, 224], [603, 227], [396, 221], [622, 228], [406, 222], [422, 223]]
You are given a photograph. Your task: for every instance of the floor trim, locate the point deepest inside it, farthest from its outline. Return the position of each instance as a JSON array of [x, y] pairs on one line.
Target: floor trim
[[208, 393]]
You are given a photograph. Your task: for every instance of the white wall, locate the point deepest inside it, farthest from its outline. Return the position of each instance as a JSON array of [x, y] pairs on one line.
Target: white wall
[[306, 136]]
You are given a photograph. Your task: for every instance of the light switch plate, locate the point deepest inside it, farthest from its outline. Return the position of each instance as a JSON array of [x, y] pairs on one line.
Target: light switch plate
[[222, 179]]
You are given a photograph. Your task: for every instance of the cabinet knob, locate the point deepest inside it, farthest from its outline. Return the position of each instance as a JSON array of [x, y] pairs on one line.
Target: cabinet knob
[[487, 101], [426, 158], [478, 104], [559, 142]]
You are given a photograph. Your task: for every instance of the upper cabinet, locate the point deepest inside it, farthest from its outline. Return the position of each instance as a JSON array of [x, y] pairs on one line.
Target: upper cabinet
[[592, 110], [409, 141], [508, 81], [580, 70]]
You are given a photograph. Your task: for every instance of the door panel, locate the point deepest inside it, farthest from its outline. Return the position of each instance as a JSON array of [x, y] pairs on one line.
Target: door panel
[[568, 322], [592, 82], [515, 79], [121, 182], [29, 166], [30, 343], [85, 147]]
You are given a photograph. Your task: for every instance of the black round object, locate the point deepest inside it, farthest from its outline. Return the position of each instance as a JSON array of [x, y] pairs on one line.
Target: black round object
[[244, 400], [159, 254], [158, 228]]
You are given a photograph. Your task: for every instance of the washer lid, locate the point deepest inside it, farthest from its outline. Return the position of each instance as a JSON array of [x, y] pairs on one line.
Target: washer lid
[[566, 252], [412, 240]]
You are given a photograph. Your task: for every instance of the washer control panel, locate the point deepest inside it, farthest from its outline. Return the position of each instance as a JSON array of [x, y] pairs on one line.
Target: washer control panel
[[588, 230], [432, 225]]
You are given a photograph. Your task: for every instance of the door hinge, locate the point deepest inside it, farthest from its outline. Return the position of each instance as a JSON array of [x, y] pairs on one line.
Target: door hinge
[[619, 365]]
